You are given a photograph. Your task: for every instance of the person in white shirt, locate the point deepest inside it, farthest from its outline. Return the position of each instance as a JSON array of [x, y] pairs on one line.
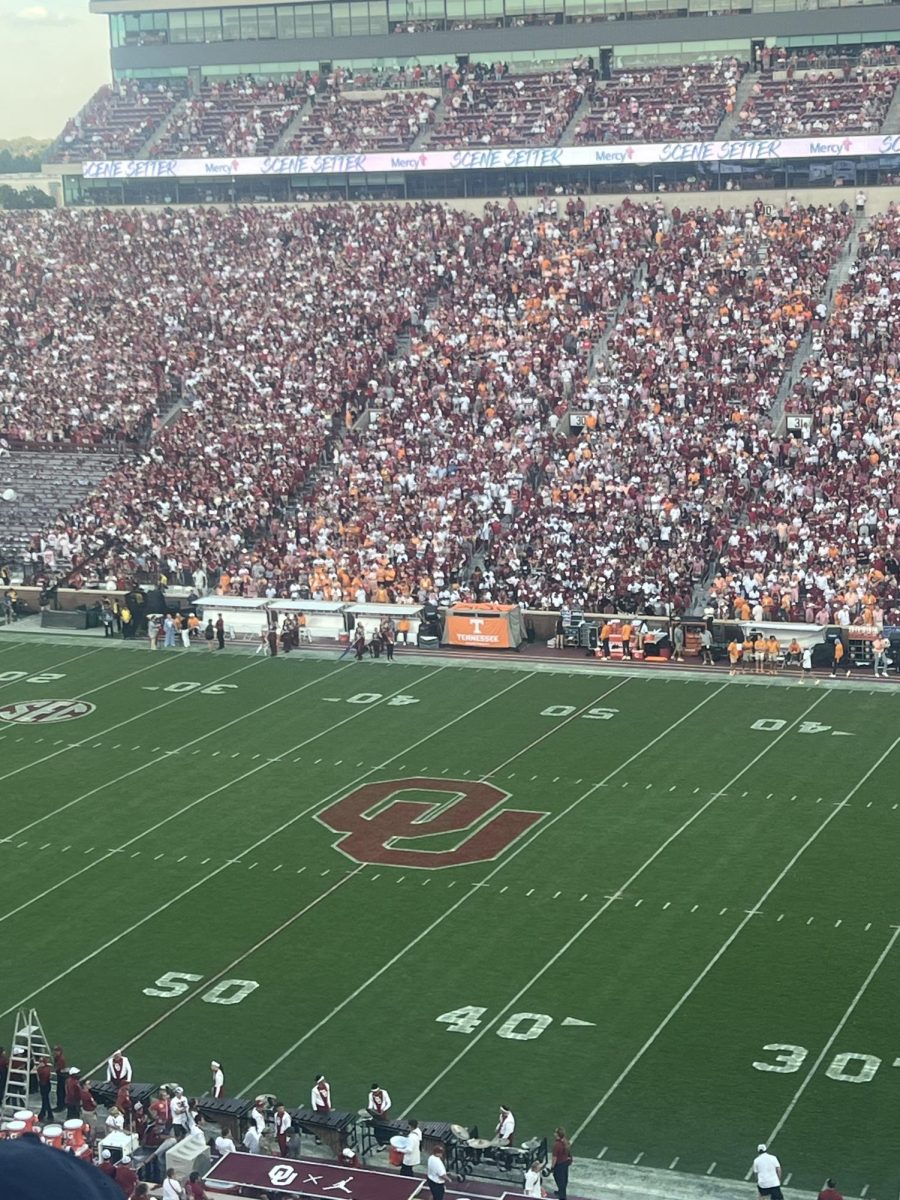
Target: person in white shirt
[[320, 1098], [379, 1101], [436, 1169], [172, 1189], [181, 1112], [412, 1155], [767, 1170], [218, 1080], [506, 1127], [225, 1143], [251, 1140], [115, 1122], [282, 1120], [533, 1179], [257, 1116]]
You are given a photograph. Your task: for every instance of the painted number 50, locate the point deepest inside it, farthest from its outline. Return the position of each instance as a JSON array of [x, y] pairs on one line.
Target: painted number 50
[[227, 991]]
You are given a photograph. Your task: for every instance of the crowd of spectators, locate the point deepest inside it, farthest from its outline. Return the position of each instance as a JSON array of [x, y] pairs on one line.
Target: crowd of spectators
[[662, 104], [848, 101], [240, 116], [486, 105], [118, 121], [821, 537], [370, 394], [335, 124]]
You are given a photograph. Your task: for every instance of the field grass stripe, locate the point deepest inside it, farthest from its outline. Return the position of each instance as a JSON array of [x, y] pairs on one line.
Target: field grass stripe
[[686, 995], [120, 724], [52, 667], [159, 758], [297, 816], [513, 853]]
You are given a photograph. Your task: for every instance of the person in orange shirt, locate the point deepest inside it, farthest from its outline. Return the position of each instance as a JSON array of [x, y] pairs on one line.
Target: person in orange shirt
[[403, 627], [604, 638], [734, 656], [837, 658], [626, 640], [772, 651]]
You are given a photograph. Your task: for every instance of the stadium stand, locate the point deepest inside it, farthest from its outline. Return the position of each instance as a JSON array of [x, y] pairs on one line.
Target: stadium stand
[[239, 116], [336, 123], [118, 121], [819, 102], [662, 104], [822, 524]]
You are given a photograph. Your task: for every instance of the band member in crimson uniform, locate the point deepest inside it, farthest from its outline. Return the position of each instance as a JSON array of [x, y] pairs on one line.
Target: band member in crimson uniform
[[321, 1095], [107, 1167], [88, 1103], [126, 1176], [62, 1070], [123, 1100], [379, 1101], [44, 1075], [73, 1094], [218, 1080], [139, 1120], [161, 1110], [118, 1069], [282, 1128]]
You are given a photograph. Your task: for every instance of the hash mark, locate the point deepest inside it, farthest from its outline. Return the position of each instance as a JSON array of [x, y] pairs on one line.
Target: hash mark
[[504, 889], [723, 912], [810, 921], [672, 789], [712, 1167], [668, 904], [694, 909], [556, 779], [583, 898], [648, 787], [205, 861], [530, 892], [158, 857], [400, 880], [603, 1151], [674, 1161], [638, 1159], [696, 790], [557, 895], [278, 868], [868, 927], [136, 853], [780, 917], [183, 857], [302, 869], [327, 870], [838, 922], [638, 903]]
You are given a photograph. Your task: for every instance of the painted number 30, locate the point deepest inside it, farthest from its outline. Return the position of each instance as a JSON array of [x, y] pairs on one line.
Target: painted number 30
[[227, 991], [845, 1068]]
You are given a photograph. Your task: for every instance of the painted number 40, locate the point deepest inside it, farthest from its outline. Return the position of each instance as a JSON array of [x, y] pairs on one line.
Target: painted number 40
[[520, 1027], [226, 991]]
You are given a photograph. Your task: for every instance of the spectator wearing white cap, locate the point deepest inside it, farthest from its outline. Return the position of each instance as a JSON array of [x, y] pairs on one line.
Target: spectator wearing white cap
[[218, 1080], [106, 1165], [767, 1170]]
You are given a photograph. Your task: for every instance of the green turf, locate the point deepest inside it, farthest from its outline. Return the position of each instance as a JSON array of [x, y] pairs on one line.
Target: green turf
[[696, 890]]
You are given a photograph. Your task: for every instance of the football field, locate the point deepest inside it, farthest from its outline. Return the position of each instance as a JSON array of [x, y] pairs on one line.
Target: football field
[[662, 912]]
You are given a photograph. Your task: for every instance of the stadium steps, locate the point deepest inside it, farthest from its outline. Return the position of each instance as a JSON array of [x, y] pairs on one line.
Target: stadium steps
[[727, 127], [838, 276], [892, 116], [424, 135], [146, 151], [568, 134], [283, 143]]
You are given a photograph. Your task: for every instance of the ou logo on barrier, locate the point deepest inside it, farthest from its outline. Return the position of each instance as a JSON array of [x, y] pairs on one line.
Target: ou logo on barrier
[[282, 1175], [371, 825]]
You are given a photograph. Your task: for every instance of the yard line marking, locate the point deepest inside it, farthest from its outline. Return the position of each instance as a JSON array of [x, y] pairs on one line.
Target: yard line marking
[[848, 1013], [185, 745], [120, 724], [689, 991], [237, 961], [281, 828]]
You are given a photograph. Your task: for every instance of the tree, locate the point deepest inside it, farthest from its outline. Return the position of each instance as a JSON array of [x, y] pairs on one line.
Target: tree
[[24, 198]]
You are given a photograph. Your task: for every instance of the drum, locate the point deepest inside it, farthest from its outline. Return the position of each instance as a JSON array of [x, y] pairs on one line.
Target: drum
[[27, 1117], [52, 1135], [14, 1129], [73, 1134]]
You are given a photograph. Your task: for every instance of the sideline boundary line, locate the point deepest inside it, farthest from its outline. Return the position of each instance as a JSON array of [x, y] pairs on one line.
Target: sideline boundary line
[[471, 1042], [541, 828], [689, 991]]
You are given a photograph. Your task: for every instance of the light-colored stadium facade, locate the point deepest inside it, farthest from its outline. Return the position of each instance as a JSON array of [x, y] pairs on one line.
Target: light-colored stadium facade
[[196, 42]]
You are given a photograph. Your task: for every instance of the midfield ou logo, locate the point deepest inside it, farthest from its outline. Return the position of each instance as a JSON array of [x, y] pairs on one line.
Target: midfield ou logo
[[282, 1175], [42, 712]]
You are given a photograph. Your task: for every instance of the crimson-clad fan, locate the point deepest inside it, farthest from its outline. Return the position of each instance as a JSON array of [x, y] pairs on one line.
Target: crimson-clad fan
[[62, 1070], [44, 1074], [123, 1099], [126, 1176], [73, 1094], [106, 1165], [88, 1103]]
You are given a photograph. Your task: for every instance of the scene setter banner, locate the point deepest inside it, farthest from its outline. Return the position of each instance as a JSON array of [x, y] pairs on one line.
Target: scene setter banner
[[487, 158]]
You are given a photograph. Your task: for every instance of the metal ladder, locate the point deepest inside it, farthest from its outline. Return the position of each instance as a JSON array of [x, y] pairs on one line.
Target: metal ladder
[[29, 1046]]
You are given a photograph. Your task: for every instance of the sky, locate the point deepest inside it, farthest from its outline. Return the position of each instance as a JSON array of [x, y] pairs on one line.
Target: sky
[[54, 54]]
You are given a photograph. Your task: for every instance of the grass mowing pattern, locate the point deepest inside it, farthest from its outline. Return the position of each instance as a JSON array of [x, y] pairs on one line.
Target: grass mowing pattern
[[698, 889]]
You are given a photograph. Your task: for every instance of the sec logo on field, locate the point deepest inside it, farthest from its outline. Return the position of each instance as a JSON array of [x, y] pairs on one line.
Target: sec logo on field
[[42, 712]]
